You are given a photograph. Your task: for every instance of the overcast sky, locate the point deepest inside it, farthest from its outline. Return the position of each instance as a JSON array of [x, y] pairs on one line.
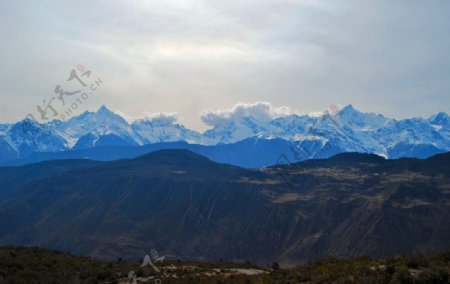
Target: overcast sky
[[187, 57]]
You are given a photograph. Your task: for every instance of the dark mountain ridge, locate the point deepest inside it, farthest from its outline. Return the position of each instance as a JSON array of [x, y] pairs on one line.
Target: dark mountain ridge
[[181, 203], [248, 153]]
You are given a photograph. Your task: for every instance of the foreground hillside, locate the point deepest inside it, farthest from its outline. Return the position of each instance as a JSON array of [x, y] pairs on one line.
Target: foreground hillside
[[185, 205], [34, 265]]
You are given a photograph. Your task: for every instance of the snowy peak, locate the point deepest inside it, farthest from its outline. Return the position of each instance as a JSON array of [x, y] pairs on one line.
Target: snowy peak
[[241, 122], [237, 130], [344, 131], [355, 119], [103, 113], [26, 128], [441, 123], [27, 123], [441, 119], [103, 108], [163, 128], [101, 123], [350, 110], [102, 116], [29, 136]]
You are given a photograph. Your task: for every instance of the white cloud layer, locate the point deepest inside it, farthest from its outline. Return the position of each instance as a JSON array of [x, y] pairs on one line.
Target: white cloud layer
[[261, 111], [162, 117]]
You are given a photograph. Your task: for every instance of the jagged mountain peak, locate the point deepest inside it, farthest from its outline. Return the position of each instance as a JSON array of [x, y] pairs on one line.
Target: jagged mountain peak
[[27, 121], [103, 122], [344, 131], [26, 125], [355, 119], [440, 119], [28, 135], [103, 108], [349, 109], [105, 113]]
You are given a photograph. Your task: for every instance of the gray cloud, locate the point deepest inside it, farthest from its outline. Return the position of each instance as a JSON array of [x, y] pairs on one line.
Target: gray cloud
[[261, 111], [188, 56], [162, 118]]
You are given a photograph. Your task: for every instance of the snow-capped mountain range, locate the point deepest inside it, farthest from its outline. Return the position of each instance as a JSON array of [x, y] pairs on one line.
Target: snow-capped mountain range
[[346, 130]]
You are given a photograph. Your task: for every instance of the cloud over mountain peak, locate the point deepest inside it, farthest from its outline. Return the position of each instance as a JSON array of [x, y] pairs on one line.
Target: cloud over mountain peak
[[260, 111], [162, 117]]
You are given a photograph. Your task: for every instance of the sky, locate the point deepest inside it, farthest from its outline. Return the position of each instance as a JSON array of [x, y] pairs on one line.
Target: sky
[[194, 60]]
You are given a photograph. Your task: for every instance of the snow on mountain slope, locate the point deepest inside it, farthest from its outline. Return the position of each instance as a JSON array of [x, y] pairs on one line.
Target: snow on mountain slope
[[329, 131], [347, 130], [292, 127], [408, 150], [412, 131], [241, 122], [92, 140], [28, 136], [233, 131], [100, 123], [441, 123], [4, 128], [359, 121], [440, 119], [162, 128], [315, 136], [360, 128]]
